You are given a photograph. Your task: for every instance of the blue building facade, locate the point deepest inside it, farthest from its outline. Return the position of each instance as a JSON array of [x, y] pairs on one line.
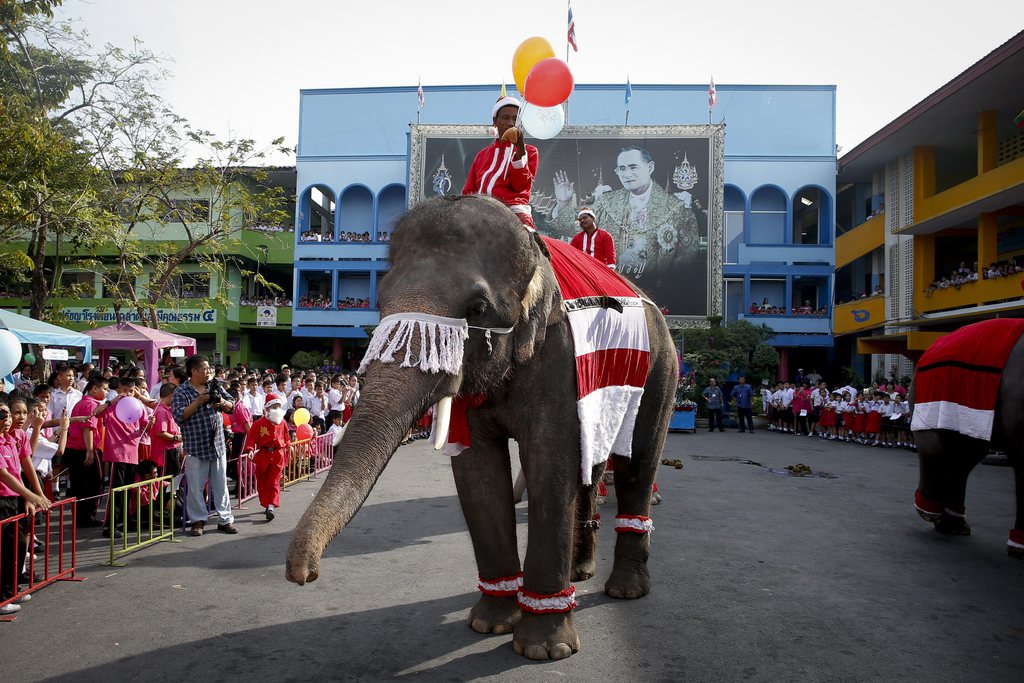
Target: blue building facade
[[779, 206]]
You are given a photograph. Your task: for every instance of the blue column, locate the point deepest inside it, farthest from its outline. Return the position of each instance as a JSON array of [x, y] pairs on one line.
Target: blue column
[[373, 290], [334, 287], [746, 293], [789, 293]]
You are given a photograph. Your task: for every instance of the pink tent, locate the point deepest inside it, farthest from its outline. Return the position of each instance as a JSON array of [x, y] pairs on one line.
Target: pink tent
[[134, 337]]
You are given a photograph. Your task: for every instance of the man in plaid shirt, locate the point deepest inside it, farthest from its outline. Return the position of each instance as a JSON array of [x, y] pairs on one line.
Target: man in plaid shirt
[[202, 431]]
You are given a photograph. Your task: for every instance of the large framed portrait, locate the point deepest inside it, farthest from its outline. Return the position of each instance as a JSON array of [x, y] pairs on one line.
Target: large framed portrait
[[656, 189]]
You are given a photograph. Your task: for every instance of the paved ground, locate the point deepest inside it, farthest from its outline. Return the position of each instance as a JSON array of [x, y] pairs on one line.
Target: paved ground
[[756, 576]]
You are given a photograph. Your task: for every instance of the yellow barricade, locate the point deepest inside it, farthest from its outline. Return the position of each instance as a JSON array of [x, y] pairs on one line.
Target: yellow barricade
[[153, 516], [299, 466]]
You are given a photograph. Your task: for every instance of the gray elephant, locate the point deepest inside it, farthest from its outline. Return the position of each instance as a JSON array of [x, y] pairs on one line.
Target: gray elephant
[[980, 402], [470, 258]]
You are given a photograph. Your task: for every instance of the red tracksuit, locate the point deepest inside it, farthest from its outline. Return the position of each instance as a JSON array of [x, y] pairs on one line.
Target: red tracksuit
[[494, 173], [600, 245], [271, 442]]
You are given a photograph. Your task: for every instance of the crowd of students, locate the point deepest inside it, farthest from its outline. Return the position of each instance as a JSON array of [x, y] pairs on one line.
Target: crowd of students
[[805, 309], [347, 236], [964, 274], [875, 416], [325, 302], [67, 437], [266, 301]]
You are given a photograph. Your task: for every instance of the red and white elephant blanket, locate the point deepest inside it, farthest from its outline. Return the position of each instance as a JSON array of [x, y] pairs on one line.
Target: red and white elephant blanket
[[957, 380]]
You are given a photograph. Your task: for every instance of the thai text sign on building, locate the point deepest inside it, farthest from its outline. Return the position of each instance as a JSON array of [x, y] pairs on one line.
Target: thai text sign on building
[[102, 314]]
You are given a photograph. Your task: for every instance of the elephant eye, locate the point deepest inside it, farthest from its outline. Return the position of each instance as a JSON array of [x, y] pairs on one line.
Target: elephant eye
[[476, 309]]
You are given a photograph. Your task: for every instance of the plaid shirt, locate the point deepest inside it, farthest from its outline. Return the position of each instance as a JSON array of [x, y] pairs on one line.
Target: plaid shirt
[[203, 433]]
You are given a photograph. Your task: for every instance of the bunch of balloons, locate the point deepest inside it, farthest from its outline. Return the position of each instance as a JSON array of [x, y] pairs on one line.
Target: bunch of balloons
[[545, 83], [303, 430]]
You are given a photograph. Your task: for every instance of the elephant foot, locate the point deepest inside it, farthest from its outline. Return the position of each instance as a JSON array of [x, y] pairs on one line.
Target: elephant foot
[[546, 636], [628, 584], [494, 614], [953, 526]]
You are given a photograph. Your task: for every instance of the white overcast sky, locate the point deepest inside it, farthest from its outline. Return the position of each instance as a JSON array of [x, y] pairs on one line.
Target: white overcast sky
[[237, 66]]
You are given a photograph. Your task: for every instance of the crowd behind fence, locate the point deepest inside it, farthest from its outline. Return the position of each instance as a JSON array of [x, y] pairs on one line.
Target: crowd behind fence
[[149, 504]]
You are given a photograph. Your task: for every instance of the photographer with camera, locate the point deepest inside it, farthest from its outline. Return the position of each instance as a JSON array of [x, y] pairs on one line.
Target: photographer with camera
[[196, 406]]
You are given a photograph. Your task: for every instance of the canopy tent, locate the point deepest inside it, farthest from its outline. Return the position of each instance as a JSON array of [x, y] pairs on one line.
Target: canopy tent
[[130, 336], [32, 331]]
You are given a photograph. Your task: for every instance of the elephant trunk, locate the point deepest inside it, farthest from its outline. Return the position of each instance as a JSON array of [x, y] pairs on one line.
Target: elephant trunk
[[393, 397]]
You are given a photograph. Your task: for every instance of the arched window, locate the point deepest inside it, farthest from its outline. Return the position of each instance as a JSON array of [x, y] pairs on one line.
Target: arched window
[[735, 208], [812, 216], [316, 214], [356, 212], [390, 206], [768, 216]]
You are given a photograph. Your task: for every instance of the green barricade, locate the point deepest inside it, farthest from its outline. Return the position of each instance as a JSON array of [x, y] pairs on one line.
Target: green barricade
[[150, 520]]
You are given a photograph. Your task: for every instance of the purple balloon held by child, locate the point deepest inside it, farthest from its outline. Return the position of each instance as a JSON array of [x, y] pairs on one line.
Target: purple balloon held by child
[[128, 409]]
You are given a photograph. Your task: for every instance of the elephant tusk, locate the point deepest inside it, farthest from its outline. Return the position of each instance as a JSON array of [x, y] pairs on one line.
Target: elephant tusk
[[442, 420]]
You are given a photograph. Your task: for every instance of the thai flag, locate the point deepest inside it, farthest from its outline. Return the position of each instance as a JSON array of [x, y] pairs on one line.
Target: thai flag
[[712, 95], [419, 95], [629, 92], [572, 32]]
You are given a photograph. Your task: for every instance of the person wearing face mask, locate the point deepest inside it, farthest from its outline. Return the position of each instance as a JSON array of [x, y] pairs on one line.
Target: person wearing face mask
[[268, 438]]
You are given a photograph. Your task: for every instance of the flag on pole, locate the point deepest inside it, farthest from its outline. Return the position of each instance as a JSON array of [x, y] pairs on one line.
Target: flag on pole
[[712, 95], [629, 92], [419, 95], [571, 36]]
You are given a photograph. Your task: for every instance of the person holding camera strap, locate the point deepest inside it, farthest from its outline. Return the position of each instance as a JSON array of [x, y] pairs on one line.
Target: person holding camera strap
[[197, 406]]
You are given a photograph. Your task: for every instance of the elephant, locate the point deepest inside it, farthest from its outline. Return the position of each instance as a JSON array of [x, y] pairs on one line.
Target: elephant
[[470, 257], [947, 457]]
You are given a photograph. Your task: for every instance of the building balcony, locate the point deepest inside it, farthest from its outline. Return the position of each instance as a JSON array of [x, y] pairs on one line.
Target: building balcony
[[786, 253], [859, 315], [333, 317], [985, 193], [791, 324], [268, 247], [340, 250], [862, 240], [977, 293]]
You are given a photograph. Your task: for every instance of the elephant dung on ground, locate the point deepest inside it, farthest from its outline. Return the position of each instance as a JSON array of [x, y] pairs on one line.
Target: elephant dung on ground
[[469, 258], [947, 457]]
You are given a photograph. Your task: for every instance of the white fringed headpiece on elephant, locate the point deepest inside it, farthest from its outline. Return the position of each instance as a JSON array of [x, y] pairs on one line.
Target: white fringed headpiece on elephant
[[442, 341]]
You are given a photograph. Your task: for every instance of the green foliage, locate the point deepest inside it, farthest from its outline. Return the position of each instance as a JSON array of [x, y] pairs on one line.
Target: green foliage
[[309, 360], [720, 350]]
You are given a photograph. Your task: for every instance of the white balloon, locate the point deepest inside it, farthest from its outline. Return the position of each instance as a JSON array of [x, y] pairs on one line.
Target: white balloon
[[543, 123], [10, 352]]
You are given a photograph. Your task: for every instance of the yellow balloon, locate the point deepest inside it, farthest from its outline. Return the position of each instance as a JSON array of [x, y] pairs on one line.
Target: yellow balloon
[[529, 52], [301, 417]]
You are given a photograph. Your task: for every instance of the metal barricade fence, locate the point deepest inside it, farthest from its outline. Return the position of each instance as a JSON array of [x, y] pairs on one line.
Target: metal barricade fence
[[298, 468], [153, 521], [59, 561], [246, 485], [321, 450]]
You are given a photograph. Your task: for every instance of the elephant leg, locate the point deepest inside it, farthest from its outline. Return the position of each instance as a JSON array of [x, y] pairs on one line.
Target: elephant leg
[[546, 629], [483, 479], [588, 521], [931, 461], [1015, 544], [960, 458]]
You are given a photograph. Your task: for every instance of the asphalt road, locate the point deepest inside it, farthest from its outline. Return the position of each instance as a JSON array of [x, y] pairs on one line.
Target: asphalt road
[[756, 576]]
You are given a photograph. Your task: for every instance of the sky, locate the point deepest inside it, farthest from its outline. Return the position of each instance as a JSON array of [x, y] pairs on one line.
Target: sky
[[237, 66]]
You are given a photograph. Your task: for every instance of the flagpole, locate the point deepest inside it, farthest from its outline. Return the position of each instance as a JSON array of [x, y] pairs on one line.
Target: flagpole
[[568, 6]]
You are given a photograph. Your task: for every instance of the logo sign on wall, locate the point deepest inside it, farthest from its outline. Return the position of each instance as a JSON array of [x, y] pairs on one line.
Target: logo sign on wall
[[266, 316], [861, 315]]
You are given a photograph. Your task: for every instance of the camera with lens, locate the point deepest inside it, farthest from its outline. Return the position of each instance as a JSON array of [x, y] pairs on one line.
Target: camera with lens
[[217, 393]]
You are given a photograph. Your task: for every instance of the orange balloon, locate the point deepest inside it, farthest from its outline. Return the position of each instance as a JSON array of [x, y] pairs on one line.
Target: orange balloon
[[529, 52]]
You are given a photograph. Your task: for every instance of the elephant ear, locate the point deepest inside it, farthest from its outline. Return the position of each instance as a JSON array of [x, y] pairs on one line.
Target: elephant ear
[[542, 307]]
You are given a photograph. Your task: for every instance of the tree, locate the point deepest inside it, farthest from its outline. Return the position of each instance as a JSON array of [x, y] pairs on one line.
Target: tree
[[720, 350], [52, 84]]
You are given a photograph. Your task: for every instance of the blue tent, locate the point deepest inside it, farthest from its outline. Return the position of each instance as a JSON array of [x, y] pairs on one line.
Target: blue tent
[[32, 331]]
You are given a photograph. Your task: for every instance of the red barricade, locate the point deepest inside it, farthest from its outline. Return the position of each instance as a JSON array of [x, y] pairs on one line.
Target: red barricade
[[321, 452], [246, 489], [59, 559]]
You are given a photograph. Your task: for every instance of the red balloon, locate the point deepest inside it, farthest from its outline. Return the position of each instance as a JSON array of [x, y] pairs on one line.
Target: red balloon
[[303, 432], [549, 83]]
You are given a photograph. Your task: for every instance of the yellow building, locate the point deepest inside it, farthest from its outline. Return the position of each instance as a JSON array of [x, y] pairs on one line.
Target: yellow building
[[930, 219]]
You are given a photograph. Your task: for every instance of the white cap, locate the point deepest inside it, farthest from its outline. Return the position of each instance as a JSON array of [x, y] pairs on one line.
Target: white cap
[[505, 102], [585, 211]]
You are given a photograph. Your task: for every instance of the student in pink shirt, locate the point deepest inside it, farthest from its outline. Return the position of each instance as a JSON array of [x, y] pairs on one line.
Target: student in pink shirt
[[15, 498], [240, 421], [121, 450], [84, 442], [165, 450]]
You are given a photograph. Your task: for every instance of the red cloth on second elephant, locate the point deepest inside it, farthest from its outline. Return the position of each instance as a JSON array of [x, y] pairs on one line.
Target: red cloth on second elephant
[[612, 350], [271, 442], [957, 380]]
